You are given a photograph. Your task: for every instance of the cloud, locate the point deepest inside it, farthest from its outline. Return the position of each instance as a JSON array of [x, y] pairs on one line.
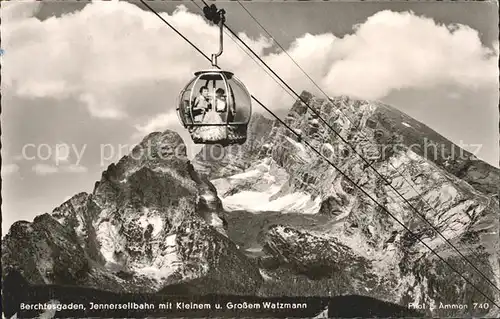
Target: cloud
[[18, 10], [9, 169], [44, 169], [159, 123], [49, 169], [401, 50], [162, 122], [109, 51], [75, 169]]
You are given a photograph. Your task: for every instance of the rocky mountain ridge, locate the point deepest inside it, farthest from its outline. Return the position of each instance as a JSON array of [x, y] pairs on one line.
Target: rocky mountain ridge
[[453, 190], [270, 218], [150, 222]]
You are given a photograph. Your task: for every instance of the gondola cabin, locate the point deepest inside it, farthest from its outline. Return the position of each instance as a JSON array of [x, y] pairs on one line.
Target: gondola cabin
[[216, 108]]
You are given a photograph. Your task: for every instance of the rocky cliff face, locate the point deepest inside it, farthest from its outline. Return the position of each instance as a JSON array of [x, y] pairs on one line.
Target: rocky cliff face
[[336, 224], [151, 223], [271, 218]]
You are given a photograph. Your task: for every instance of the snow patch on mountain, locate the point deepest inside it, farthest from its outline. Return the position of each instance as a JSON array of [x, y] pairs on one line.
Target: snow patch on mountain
[[258, 190], [185, 182], [255, 202], [80, 228], [127, 174], [150, 218], [254, 249], [165, 263], [110, 239], [247, 174], [299, 148], [158, 274], [383, 262], [264, 275], [249, 200], [298, 202]]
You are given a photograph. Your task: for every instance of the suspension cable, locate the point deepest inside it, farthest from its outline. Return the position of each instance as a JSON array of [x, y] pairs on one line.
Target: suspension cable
[[367, 163], [421, 197], [249, 55], [334, 166]]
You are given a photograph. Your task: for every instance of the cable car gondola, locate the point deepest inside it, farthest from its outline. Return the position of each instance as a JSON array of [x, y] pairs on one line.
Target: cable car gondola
[[215, 106]]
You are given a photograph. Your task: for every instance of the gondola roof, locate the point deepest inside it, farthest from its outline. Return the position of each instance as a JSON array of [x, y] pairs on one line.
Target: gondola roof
[[213, 74]]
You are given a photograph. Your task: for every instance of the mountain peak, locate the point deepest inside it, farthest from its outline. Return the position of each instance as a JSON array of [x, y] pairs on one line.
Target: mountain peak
[[150, 222], [163, 144], [279, 177], [272, 217]]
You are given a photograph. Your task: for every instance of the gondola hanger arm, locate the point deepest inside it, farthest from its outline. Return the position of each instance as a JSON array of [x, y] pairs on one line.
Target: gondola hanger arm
[[216, 16]]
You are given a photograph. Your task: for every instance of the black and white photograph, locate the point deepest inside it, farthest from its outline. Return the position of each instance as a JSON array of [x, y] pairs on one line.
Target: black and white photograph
[[250, 159]]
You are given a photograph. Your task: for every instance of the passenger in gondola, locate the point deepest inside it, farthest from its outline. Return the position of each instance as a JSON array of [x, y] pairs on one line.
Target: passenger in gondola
[[201, 105], [214, 129], [231, 112], [220, 100]]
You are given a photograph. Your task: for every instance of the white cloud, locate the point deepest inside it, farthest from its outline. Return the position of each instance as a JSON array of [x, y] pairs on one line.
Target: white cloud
[[49, 169], [159, 123], [44, 169], [8, 169], [162, 122], [100, 105], [401, 50], [97, 54], [75, 169], [18, 10]]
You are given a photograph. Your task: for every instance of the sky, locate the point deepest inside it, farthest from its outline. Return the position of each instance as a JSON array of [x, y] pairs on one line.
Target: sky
[[82, 83]]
